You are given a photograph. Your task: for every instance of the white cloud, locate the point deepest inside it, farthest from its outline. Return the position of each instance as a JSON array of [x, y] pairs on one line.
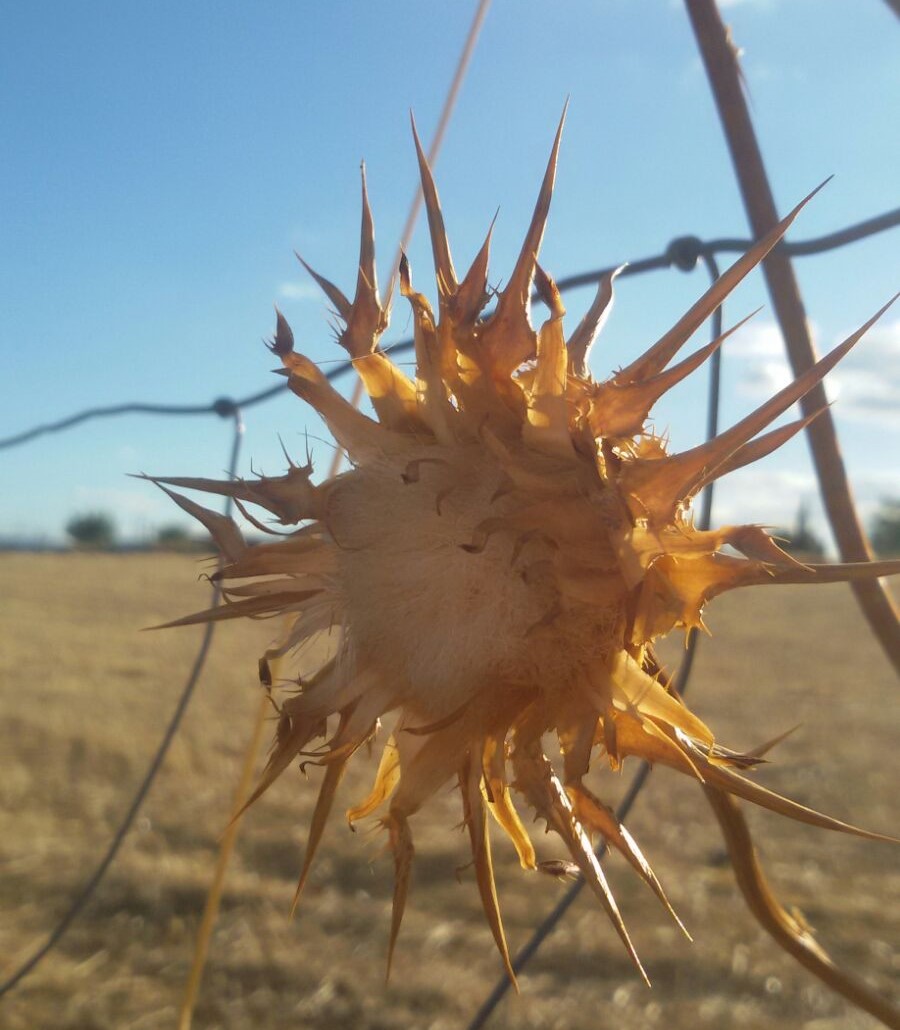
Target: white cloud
[[768, 497], [758, 339], [126, 452], [867, 382], [774, 497], [130, 502], [762, 365], [865, 385], [299, 291]]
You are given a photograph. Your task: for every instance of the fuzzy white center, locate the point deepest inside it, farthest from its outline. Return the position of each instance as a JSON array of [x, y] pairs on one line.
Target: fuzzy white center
[[439, 622]]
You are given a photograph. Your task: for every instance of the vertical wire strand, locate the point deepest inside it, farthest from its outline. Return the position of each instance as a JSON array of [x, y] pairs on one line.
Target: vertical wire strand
[[720, 59], [87, 891], [214, 896], [449, 104], [680, 684], [211, 908]]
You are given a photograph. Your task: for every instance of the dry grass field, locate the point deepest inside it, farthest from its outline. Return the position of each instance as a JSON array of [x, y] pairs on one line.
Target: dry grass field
[[85, 699]]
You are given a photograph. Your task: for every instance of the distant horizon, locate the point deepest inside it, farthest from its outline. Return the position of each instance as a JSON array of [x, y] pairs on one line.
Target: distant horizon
[[164, 162], [148, 539]]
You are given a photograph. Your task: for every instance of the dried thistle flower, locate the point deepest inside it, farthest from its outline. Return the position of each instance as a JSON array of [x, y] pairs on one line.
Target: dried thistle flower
[[496, 564]]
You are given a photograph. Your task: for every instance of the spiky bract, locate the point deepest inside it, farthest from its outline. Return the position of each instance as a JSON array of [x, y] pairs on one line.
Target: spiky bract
[[498, 560]]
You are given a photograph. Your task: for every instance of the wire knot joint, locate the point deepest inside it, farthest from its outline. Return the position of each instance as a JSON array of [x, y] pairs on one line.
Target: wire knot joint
[[684, 252], [225, 407]]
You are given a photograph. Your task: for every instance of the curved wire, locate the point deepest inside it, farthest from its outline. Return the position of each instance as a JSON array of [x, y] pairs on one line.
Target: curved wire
[[713, 399], [225, 407], [683, 252], [87, 891], [803, 248], [549, 922]]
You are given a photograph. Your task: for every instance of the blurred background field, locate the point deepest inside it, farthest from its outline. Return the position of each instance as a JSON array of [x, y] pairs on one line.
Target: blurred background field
[[163, 163], [87, 694]]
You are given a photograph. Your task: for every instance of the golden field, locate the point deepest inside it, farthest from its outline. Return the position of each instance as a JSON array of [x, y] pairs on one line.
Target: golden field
[[86, 697]]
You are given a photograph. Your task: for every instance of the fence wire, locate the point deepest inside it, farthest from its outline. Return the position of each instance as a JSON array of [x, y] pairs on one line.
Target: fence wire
[[680, 684], [187, 691], [684, 253]]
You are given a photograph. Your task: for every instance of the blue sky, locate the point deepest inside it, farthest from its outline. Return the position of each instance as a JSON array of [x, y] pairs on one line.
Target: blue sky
[[162, 162]]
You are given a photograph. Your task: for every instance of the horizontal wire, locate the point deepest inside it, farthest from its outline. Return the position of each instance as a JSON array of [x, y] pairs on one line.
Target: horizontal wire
[[89, 888], [549, 923], [683, 252]]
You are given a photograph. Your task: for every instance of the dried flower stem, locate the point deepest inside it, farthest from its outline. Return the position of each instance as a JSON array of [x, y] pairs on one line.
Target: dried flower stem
[[721, 62], [211, 908], [446, 112], [786, 929]]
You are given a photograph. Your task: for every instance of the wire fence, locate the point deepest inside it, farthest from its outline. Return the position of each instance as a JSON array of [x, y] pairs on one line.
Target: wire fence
[[684, 253]]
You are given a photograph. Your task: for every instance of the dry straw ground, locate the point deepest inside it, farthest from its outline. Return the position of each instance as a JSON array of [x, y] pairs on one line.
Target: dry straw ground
[[85, 699]]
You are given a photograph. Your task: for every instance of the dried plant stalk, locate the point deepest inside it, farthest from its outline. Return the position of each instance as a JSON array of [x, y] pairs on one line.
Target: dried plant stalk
[[721, 60], [509, 542]]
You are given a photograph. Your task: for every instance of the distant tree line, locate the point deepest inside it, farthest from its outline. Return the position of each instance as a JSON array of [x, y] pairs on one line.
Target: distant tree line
[[96, 531], [801, 540], [884, 532], [885, 527]]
